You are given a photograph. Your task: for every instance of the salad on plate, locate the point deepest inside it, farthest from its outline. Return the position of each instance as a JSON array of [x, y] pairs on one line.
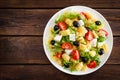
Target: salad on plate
[[77, 41]]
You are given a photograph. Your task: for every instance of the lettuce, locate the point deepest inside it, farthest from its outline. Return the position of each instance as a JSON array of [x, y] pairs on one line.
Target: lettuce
[[84, 54], [71, 29], [65, 39], [55, 32], [97, 59], [93, 26], [69, 15], [101, 39]]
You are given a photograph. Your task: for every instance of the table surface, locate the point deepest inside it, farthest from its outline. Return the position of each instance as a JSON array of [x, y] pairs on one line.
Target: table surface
[[22, 23]]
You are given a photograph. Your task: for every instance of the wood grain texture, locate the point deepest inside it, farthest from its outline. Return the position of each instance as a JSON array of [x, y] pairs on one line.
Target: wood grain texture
[[29, 50], [22, 50], [58, 3], [43, 72], [33, 21], [22, 23]]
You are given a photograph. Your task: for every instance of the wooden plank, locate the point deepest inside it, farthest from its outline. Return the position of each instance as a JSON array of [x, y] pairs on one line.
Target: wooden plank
[[46, 72], [33, 22], [29, 50], [22, 50], [58, 4]]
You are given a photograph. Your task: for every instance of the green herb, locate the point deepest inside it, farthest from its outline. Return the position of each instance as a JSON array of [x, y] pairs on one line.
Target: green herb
[[72, 67], [72, 31], [55, 32], [96, 58], [92, 26], [57, 44], [101, 39], [72, 15], [69, 15], [66, 64], [96, 49], [57, 48], [85, 54], [65, 39]]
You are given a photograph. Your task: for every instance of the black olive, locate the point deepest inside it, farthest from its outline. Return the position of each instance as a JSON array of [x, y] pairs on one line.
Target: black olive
[[75, 24], [97, 22], [52, 42], [101, 52], [56, 27], [66, 65], [76, 43], [84, 59], [87, 28]]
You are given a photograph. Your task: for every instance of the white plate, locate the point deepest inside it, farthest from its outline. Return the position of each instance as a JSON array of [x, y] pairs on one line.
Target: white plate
[[98, 16]]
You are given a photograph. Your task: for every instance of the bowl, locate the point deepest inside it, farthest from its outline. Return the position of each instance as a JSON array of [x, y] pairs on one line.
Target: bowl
[[96, 14]]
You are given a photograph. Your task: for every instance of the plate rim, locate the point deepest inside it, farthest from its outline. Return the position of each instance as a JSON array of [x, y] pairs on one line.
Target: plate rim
[[64, 70]]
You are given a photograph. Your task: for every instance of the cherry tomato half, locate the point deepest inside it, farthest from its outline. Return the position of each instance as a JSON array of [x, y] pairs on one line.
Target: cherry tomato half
[[59, 55], [67, 45], [75, 54], [92, 64], [103, 31], [89, 36], [62, 25], [84, 14]]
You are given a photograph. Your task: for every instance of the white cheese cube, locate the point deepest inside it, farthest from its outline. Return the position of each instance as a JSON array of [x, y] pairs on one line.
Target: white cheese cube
[[58, 38], [93, 42], [67, 51], [72, 37], [92, 53], [81, 22]]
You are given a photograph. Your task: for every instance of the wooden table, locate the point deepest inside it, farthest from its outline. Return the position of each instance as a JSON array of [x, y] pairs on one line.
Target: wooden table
[[22, 23]]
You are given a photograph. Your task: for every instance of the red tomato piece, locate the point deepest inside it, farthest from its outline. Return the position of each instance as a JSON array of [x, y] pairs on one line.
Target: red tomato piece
[[89, 36], [103, 31], [67, 45], [75, 54], [59, 55], [62, 25], [84, 14], [92, 64]]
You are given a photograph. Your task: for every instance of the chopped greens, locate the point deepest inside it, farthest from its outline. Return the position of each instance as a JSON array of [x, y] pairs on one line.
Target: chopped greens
[[101, 39], [65, 39], [71, 29], [69, 15], [92, 26]]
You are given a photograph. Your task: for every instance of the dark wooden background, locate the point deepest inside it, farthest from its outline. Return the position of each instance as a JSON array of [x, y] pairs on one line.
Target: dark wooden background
[[22, 23]]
